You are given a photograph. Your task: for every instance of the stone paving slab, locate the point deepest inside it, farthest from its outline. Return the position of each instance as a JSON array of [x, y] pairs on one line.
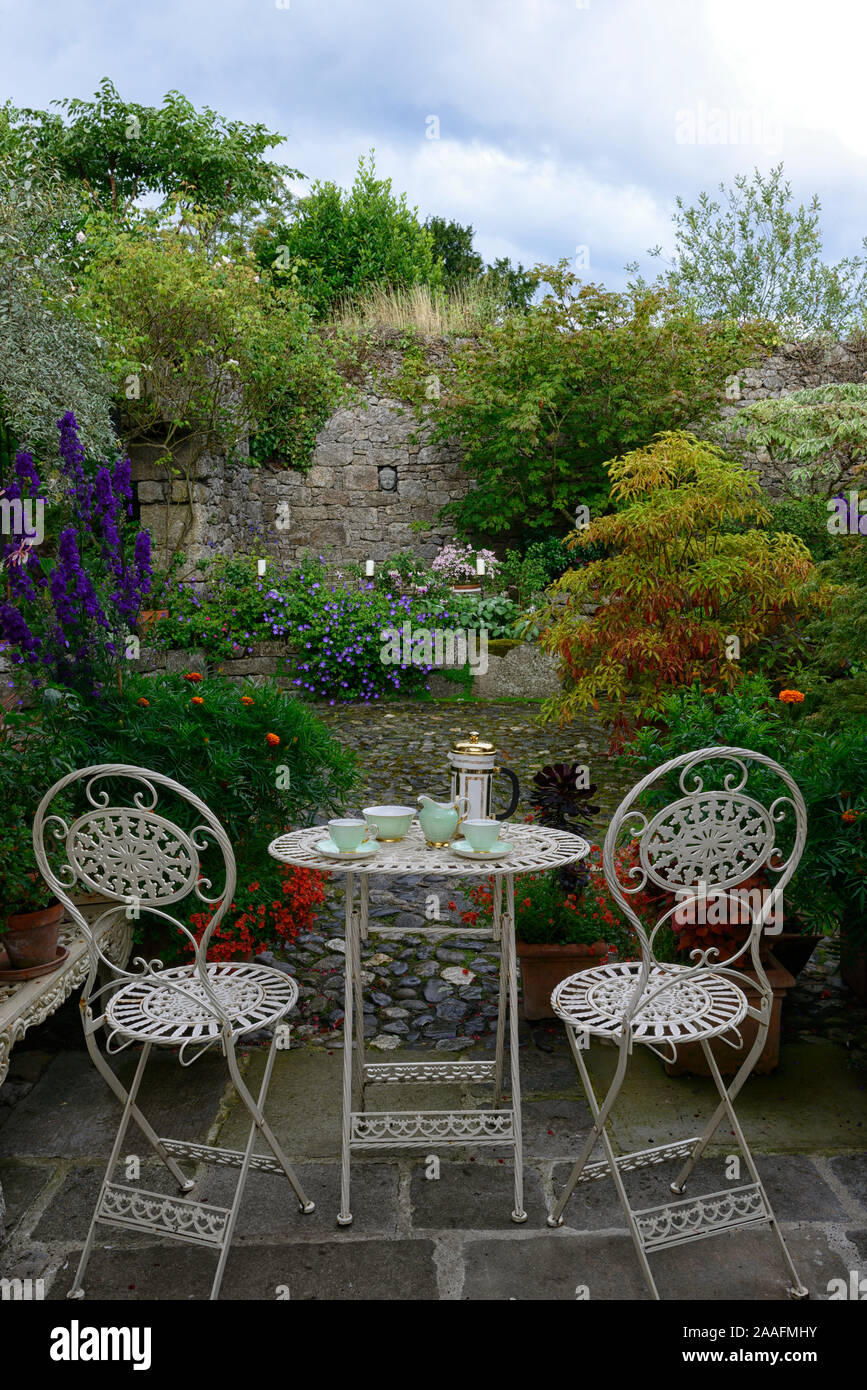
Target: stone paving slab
[[736, 1264], [392, 1270], [71, 1112], [270, 1208], [473, 1197], [795, 1188]]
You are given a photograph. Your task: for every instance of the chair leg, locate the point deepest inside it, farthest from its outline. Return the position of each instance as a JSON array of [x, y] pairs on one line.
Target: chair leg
[[600, 1117], [260, 1123], [76, 1290], [796, 1289], [185, 1184]]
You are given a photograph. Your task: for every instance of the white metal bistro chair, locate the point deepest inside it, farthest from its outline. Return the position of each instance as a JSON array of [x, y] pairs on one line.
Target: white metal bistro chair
[[700, 847], [141, 862]]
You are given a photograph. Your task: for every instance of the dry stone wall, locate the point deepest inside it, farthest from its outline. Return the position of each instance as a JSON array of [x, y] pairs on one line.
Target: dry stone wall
[[370, 478]]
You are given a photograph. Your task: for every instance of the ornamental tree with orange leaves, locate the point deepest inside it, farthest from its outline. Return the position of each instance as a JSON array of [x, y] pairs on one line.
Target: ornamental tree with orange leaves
[[685, 573]]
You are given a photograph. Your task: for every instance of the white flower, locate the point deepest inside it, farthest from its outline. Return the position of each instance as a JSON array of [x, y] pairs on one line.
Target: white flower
[[79, 236]]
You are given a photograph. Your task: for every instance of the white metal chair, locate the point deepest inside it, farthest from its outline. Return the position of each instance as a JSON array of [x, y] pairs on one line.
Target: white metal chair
[[141, 862], [706, 839]]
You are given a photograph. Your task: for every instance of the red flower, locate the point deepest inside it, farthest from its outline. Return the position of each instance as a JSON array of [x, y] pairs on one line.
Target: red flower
[[272, 739], [197, 700], [247, 700], [194, 677], [142, 701]]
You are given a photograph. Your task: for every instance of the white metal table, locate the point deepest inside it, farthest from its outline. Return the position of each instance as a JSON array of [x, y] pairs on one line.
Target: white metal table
[[536, 849]]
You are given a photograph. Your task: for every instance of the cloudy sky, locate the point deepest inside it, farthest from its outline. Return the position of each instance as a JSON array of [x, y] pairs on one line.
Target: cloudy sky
[[549, 125]]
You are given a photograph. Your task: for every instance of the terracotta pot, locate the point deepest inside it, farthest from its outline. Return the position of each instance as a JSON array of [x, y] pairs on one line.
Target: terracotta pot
[[465, 588], [31, 937], [544, 966], [150, 615], [691, 1058]]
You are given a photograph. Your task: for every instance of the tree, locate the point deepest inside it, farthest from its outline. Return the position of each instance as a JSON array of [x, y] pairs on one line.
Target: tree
[[205, 353], [452, 246], [814, 438], [49, 361], [678, 583], [339, 243], [122, 151], [541, 400], [752, 256]]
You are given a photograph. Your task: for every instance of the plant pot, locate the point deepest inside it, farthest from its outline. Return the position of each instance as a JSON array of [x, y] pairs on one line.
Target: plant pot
[[465, 589], [691, 1058], [543, 966], [30, 938], [853, 962]]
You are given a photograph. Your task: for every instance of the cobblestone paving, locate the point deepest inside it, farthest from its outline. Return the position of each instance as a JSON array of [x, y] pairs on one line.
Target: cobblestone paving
[[416, 992]]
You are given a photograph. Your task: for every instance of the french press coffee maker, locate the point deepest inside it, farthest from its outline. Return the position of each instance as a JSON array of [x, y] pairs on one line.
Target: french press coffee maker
[[473, 768]]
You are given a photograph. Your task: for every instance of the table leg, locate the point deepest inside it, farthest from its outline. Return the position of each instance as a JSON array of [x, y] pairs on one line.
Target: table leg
[[507, 938], [344, 1217], [359, 933], [501, 1003]]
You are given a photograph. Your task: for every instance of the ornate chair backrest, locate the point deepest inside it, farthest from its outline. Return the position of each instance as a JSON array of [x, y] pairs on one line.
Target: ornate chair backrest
[[123, 849], [703, 845]]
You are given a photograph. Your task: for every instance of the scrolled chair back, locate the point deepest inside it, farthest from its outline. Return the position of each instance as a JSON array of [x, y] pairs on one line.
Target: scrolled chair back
[[700, 846], [120, 846]]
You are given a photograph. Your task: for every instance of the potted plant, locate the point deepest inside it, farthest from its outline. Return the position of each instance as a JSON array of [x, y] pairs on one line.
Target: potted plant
[[457, 565], [30, 916]]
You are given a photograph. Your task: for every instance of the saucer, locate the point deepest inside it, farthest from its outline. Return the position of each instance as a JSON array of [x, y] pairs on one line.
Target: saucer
[[466, 851], [330, 849]]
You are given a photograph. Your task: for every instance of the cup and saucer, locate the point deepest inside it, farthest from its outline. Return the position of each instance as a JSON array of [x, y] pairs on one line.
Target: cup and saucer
[[349, 838], [482, 841]]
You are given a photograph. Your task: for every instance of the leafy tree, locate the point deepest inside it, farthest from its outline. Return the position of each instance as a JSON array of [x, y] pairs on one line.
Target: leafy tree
[[339, 243], [814, 438], [205, 353], [452, 246], [122, 151], [675, 586], [49, 361], [751, 256], [512, 285], [541, 400]]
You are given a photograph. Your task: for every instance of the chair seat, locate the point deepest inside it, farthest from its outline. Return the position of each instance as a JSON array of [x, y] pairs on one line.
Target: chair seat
[[253, 996], [700, 1006]]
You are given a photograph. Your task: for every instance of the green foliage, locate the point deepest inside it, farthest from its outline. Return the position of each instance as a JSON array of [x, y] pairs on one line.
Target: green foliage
[[529, 572], [121, 151], [830, 885], [495, 612], [543, 399], [822, 431], [751, 256], [49, 361], [340, 243], [32, 758], [806, 518], [674, 586], [836, 665], [452, 246], [203, 354]]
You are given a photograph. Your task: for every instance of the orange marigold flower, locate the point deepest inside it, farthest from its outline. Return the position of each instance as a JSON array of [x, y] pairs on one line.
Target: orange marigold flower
[[850, 817], [197, 700], [791, 697], [273, 739], [194, 676], [142, 701], [247, 700]]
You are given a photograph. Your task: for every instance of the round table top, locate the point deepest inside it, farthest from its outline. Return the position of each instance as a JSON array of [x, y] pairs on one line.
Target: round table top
[[536, 847]]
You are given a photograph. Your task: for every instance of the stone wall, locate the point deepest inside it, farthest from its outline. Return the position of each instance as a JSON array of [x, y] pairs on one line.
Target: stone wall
[[792, 368], [368, 481]]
